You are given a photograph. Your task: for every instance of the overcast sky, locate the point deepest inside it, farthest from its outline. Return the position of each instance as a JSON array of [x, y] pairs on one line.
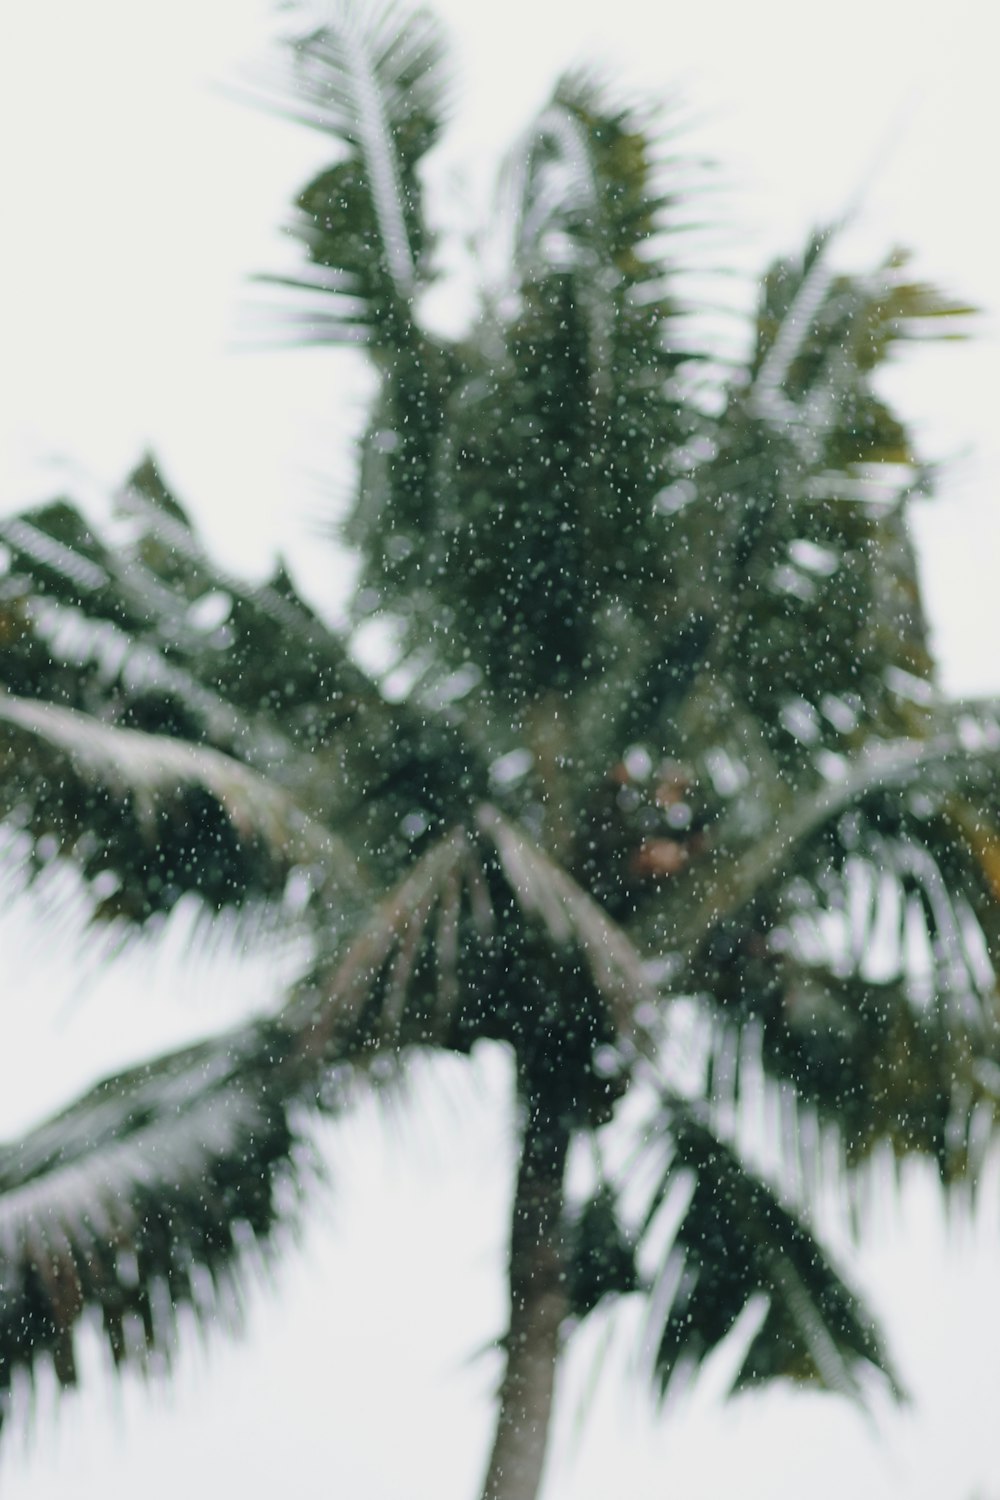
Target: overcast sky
[[138, 197]]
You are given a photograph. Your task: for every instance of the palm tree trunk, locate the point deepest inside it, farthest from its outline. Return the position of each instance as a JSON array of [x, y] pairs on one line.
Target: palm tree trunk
[[538, 1306]]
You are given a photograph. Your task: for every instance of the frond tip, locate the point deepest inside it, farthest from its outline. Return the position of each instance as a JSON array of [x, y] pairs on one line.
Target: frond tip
[[372, 78], [735, 1239], [141, 1199]]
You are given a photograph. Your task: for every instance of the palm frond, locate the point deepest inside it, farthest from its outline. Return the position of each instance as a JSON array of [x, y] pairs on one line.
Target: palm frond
[[578, 931], [793, 525], [300, 699], [136, 625], [581, 349], [487, 937], [259, 646], [592, 190], [417, 972], [148, 1196], [141, 622], [735, 1240], [820, 330], [719, 887], [600, 1257], [147, 817], [373, 79], [855, 940]]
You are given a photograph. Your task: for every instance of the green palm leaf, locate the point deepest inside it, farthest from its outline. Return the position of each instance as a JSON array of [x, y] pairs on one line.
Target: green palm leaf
[[145, 1198], [415, 971], [443, 958], [580, 935], [370, 77], [718, 888], [735, 1240], [172, 816]]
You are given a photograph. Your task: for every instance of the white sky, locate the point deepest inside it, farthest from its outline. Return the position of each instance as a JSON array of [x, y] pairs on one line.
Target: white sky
[[137, 199]]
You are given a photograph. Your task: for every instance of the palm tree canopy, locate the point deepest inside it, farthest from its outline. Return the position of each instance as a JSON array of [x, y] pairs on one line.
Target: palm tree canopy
[[671, 736]]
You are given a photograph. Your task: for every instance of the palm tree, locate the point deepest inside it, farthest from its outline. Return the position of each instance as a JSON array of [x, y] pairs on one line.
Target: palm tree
[[670, 757]]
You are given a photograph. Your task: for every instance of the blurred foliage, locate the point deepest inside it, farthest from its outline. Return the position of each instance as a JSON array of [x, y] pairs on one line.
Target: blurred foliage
[[670, 733]]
